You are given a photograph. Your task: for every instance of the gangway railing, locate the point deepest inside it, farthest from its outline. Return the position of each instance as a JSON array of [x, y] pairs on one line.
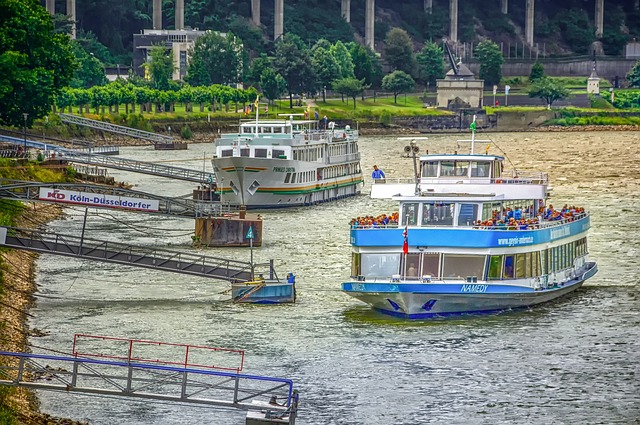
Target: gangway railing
[[147, 381], [114, 128], [138, 256], [33, 191]]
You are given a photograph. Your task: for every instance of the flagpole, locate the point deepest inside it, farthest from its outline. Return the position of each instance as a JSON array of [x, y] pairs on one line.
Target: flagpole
[[257, 104], [473, 134]]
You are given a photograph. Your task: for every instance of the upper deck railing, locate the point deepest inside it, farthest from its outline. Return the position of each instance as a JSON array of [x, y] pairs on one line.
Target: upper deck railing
[[520, 179]]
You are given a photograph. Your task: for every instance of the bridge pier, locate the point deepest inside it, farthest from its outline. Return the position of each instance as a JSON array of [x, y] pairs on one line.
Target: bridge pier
[[255, 12], [599, 18], [428, 6], [453, 17], [157, 14], [369, 18], [346, 10], [51, 6], [504, 6], [179, 14], [278, 19], [71, 13], [529, 22]]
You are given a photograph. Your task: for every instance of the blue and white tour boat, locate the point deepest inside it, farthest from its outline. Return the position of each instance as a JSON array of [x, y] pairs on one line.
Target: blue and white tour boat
[[467, 238]]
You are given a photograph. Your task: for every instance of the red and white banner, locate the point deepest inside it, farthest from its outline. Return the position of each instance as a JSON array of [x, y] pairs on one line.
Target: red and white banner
[[98, 200]]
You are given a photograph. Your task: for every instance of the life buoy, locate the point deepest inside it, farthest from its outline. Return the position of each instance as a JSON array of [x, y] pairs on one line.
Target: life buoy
[[499, 181]]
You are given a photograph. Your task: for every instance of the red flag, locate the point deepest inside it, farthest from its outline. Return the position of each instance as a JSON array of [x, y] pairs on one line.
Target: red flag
[[405, 234]]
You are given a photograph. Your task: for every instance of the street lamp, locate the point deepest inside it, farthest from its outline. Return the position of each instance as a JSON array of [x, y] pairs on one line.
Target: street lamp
[[25, 116]]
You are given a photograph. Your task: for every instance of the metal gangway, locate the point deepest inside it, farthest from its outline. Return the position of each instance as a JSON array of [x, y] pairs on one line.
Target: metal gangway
[[28, 191], [156, 371], [114, 128], [138, 256], [124, 164]]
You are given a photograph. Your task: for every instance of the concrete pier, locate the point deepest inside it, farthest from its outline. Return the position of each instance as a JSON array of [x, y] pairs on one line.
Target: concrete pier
[[369, 18], [346, 10], [255, 11], [179, 12], [229, 230], [157, 14], [599, 18], [71, 13], [278, 19], [529, 22], [504, 6], [453, 18]]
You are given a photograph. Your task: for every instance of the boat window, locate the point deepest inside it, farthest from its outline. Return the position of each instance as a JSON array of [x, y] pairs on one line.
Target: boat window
[[260, 153], [521, 271], [543, 262], [508, 267], [480, 169], [489, 208], [278, 153], [460, 266], [495, 268], [446, 168], [227, 152], [411, 267], [410, 212], [380, 265], [497, 169], [287, 178], [430, 169], [355, 264], [461, 168], [245, 152], [536, 268], [437, 214], [431, 265], [467, 214]]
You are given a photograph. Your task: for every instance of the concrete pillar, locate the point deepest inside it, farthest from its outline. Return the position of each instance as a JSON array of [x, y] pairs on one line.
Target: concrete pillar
[[255, 11], [504, 6], [453, 17], [179, 14], [71, 13], [278, 19], [51, 6], [599, 18], [428, 6], [529, 22], [369, 19], [346, 10], [157, 14]]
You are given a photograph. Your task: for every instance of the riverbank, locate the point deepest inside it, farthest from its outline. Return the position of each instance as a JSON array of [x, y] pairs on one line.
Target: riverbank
[[16, 298]]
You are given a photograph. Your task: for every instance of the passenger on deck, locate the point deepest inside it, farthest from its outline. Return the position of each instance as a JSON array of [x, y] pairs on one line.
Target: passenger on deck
[[291, 278], [377, 173]]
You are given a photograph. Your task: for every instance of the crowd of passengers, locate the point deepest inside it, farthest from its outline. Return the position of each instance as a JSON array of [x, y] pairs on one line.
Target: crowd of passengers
[[517, 219], [379, 221], [510, 219]]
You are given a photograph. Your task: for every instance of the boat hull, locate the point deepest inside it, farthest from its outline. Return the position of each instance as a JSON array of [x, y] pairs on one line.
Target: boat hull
[[429, 300], [269, 293]]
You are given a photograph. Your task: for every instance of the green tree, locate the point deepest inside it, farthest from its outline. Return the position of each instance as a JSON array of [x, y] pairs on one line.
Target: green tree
[[343, 58], [398, 82], [325, 66], [217, 56], [398, 50], [633, 77], [272, 84], [160, 66], [89, 72], [491, 60], [366, 64], [350, 87], [430, 63], [293, 61], [548, 90], [537, 72], [35, 62], [256, 69]]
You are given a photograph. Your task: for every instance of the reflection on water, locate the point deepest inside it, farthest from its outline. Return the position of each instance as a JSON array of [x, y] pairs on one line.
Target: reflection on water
[[574, 360]]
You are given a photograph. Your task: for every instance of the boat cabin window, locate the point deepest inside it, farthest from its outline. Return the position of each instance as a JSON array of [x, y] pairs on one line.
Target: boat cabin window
[[437, 214], [467, 214], [461, 168], [411, 266], [260, 153], [480, 169], [410, 213], [430, 265], [497, 169], [460, 266], [447, 168], [495, 268], [245, 152], [226, 152], [278, 153], [430, 169], [380, 265], [508, 267]]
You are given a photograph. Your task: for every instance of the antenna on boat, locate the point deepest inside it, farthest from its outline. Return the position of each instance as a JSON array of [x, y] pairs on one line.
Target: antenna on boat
[[413, 150], [473, 133], [257, 106]]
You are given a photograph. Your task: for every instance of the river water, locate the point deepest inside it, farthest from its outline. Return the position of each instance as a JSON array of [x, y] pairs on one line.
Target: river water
[[575, 360]]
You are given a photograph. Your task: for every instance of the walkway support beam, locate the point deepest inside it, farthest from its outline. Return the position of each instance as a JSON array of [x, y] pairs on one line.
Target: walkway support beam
[[369, 17]]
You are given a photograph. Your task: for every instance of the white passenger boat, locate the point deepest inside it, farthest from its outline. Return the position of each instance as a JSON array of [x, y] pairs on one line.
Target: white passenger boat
[[287, 163], [467, 238]]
